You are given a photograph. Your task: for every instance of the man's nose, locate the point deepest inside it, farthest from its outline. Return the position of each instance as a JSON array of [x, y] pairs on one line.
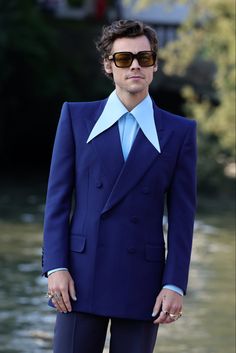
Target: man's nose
[[135, 64]]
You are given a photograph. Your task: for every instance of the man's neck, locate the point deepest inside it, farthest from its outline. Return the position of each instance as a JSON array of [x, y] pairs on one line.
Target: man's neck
[[131, 100]]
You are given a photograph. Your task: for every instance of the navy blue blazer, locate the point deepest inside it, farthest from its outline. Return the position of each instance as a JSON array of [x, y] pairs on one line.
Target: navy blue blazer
[[104, 216]]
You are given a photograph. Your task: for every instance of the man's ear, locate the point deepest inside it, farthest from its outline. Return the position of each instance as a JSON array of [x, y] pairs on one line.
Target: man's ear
[[107, 66], [155, 67]]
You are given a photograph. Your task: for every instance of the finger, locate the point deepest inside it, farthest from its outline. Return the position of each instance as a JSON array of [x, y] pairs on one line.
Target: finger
[[175, 315], [164, 320], [60, 301], [157, 306], [175, 308], [66, 300], [58, 305], [53, 300], [169, 320], [163, 314], [72, 290], [161, 318], [172, 317]]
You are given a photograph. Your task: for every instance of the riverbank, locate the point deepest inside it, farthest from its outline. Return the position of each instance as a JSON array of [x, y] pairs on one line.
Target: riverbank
[[207, 325]]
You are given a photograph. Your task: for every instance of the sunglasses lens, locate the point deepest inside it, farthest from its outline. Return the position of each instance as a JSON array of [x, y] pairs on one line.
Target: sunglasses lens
[[146, 59], [122, 59], [125, 59]]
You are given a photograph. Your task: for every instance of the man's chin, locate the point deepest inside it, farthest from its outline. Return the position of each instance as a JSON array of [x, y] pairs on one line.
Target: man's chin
[[137, 90]]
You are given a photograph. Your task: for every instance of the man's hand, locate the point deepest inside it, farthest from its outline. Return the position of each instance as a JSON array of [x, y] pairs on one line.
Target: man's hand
[[168, 305], [61, 287]]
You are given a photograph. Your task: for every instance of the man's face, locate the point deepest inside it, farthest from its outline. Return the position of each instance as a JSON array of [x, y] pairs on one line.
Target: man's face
[[134, 80]]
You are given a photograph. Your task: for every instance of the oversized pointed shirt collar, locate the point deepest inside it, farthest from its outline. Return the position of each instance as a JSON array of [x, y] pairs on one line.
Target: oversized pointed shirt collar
[[115, 109]]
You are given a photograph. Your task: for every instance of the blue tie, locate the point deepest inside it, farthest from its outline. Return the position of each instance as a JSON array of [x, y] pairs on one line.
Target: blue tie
[[128, 131]]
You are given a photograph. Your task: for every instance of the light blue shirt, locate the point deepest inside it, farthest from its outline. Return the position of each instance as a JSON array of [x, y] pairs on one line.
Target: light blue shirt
[[115, 110], [141, 117]]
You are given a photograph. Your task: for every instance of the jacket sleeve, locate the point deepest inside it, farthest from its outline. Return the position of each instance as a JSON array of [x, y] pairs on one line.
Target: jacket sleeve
[[181, 205], [59, 196]]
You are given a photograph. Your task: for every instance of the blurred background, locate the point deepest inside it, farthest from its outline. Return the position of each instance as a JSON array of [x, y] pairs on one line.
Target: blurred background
[[48, 56]]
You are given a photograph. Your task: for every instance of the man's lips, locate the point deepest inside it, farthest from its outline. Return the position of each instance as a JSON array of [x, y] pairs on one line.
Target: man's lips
[[135, 77]]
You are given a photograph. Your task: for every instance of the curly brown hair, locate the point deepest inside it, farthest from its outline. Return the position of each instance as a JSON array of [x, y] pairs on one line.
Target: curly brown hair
[[125, 28]]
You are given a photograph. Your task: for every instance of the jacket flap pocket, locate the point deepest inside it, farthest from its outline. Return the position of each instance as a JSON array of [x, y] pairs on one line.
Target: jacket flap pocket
[[154, 253], [77, 243]]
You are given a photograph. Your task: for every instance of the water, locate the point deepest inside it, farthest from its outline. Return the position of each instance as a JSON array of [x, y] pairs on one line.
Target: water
[[207, 325]]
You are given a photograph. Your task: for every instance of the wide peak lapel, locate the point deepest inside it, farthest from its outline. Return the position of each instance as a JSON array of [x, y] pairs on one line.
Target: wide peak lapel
[[92, 111], [140, 158], [107, 146]]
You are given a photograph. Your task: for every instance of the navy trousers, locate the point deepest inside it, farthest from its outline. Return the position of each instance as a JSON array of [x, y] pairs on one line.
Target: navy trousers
[[85, 333]]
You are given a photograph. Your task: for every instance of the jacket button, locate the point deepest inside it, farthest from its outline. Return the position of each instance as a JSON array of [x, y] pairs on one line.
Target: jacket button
[[146, 190], [134, 219], [99, 184], [131, 250], [104, 216]]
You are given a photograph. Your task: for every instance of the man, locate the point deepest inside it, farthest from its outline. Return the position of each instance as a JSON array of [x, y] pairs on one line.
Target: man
[[119, 159]]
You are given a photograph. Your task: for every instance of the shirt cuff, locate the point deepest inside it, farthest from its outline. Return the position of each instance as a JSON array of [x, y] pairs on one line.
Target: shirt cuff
[[57, 269], [174, 288]]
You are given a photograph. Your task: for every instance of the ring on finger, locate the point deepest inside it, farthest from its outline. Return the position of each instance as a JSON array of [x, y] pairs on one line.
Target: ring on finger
[[57, 296], [49, 295], [175, 316]]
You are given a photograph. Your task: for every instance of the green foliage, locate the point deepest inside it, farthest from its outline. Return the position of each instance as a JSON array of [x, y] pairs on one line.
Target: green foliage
[[44, 57], [204, 56], [25, 43], [44, 62], [205, 53], [139, 5], [29, 79]]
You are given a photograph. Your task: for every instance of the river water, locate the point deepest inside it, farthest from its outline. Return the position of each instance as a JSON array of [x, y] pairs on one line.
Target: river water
[[26, 322]]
